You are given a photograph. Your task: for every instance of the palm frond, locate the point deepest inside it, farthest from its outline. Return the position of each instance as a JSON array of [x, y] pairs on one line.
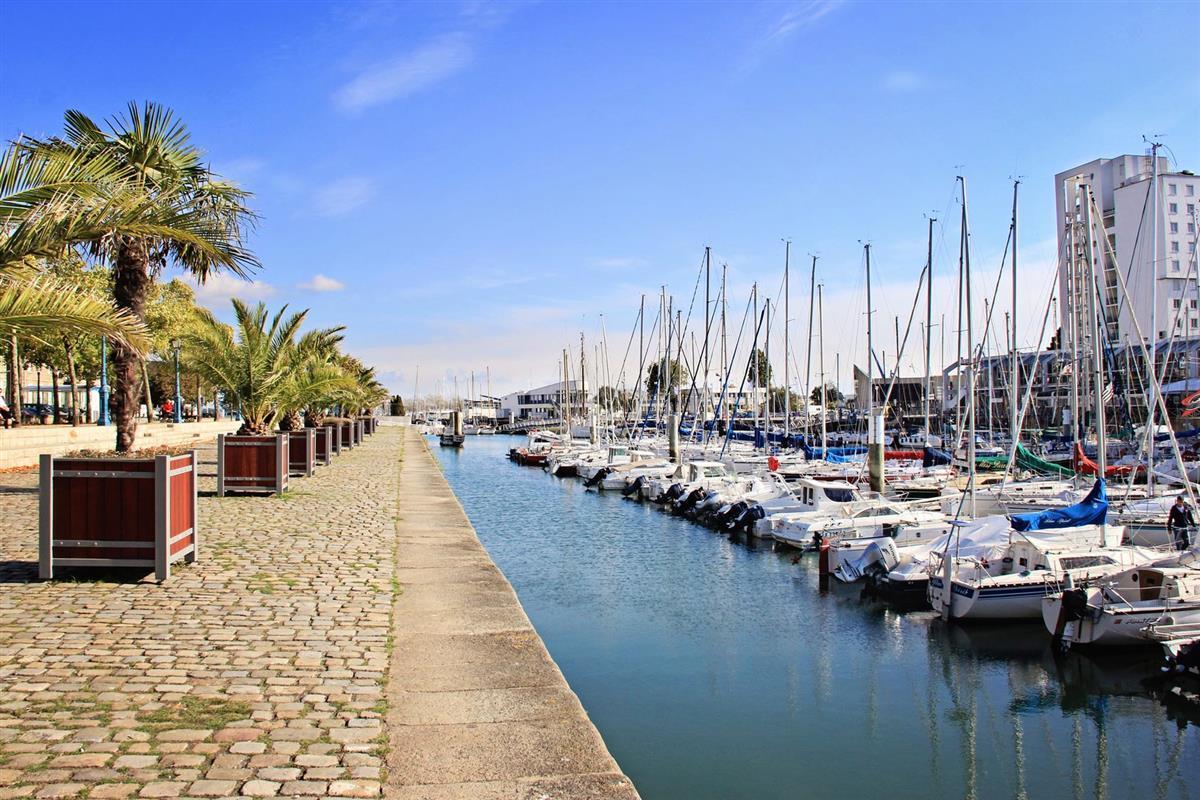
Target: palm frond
[[44, 307]]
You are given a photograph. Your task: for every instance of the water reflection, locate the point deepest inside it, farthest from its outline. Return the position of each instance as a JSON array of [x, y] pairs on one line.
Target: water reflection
[[717, 670]]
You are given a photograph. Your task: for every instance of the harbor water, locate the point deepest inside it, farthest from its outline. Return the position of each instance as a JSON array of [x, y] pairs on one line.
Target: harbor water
[[717, 669]]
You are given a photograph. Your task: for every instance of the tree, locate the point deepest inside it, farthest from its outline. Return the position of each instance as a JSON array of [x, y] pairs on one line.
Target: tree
[[250, 361], [778, 399], [611, 399], [172, 207], [396, 406], [674, 372], [760, 368], [832, 395]]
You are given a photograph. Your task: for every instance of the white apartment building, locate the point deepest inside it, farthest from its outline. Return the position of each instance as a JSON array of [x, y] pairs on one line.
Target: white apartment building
[[1122, 240]]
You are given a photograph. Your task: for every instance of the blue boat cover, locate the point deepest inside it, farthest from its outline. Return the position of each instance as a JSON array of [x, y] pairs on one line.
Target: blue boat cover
[[832, 453], [1090, 511], [934, 457]]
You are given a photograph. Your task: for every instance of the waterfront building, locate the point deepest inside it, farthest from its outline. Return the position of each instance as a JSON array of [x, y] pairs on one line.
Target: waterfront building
[[542, 402], [1126, 212]]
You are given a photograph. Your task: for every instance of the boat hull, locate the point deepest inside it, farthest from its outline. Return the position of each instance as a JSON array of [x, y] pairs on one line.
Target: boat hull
[[1115, 626]]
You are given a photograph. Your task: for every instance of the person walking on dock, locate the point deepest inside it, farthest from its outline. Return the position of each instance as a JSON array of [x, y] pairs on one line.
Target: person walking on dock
[[1179, 521]]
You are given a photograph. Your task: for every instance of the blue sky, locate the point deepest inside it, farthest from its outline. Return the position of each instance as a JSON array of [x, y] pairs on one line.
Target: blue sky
[[472, 184]]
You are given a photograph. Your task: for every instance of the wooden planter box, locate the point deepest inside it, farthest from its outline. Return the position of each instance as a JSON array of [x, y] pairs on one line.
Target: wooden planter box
[[335, 437], [346, 435], [369, 425], [252, 464], [359, 431], [323, 445], [117, 512], [302, 451]]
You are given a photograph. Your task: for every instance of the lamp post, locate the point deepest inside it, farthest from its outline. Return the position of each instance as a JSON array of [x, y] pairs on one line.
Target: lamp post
[[178, 391], [102, 417]]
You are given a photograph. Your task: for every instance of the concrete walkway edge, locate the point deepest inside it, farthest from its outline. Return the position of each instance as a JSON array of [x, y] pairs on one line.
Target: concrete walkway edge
[[477, 708]]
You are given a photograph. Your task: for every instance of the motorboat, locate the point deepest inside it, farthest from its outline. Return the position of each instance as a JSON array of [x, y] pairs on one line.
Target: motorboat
[[1128, 607]]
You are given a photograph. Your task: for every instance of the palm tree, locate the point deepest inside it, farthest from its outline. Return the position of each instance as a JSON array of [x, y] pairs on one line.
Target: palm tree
[[315, 379], [175, 210], [366, 392], [250, 362]]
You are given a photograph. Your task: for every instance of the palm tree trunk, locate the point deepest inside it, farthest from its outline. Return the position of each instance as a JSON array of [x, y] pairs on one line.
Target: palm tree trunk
[[131, 284], [149, 397], [16, 402], [54, 394], [74, 380]]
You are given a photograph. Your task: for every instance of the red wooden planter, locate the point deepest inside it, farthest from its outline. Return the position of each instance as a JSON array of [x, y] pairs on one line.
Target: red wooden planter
[[335, 437], [359, 427], [252, 464], [346, 435], [117, 512], [323, 445], [369, 425], [302, 451]]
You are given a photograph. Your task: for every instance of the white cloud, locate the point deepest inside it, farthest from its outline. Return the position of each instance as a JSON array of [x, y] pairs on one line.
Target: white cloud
[[222, 286], [902, 81], [412, 72], [796, 18], [799, 17], [322, 283], [343, 196]]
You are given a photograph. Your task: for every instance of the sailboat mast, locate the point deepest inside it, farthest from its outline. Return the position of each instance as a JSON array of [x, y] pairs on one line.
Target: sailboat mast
[[1097, 345], [754, 360], [1070, 308], [706, 395], [787, 374], [566, 406], [1014, 397], [928, 324], [870, 345], [821, 366], [1153, 366], [641, 359], [724, 355], [812, 285], [966, 249], [767, 375]]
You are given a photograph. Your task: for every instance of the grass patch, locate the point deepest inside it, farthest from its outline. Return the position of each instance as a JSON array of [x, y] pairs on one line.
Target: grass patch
[[78, 708], [199, 713]]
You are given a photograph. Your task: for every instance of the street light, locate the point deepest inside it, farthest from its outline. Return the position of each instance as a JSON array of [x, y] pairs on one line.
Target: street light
[[178, 393], [102, 418]]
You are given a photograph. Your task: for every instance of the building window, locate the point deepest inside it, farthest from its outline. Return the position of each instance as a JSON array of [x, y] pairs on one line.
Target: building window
[[1172, 189], [1190, 190], [1191, 227], [1173, 208], [1174, 265], [1175, 302], [1174, 227], [1174, 247], [1192, 302]]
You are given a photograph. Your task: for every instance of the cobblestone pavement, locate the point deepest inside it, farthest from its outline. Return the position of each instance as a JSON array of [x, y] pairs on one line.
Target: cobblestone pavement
[[260, 670]]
